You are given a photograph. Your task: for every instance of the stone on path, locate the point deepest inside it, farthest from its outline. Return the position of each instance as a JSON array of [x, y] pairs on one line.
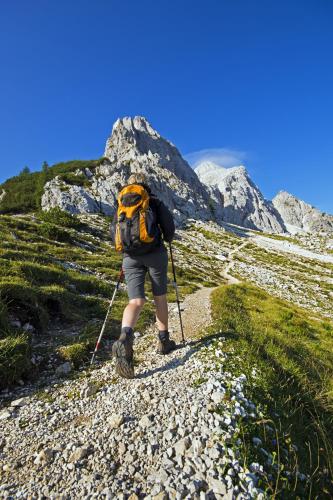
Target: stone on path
[[115, 421], [78, 454], [5, 414], [182, 445], [63, 369], [217, 486], [44, 457], [88, 391], [146, 421], [18, 403]]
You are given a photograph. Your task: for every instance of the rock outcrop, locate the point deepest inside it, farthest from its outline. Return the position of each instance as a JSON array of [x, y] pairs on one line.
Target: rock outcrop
[[237, 200], [72, 198], [300, 216], [134, 146]]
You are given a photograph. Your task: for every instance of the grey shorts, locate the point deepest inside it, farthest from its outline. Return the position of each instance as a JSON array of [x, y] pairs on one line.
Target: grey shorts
[[135, 269]]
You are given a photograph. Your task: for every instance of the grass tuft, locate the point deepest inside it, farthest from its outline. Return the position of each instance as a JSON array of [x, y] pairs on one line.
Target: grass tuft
[[14, 359]]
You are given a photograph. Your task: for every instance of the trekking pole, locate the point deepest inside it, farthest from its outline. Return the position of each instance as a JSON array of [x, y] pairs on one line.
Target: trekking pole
[[121, 275], [177, 294]]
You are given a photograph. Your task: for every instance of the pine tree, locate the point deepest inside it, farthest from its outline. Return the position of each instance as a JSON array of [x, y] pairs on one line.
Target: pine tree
[[45, 167], [25, 171]]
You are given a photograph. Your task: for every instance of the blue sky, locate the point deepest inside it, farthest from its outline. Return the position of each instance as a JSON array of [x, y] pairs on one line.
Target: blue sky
[[250, 80]]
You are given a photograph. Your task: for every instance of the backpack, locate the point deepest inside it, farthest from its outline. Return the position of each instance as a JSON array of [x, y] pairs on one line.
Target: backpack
[[135, 225]]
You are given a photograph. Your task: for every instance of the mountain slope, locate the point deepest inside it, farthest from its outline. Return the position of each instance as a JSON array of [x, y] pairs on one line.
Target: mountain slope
[[298, 215], [236, 395], [237, 199]]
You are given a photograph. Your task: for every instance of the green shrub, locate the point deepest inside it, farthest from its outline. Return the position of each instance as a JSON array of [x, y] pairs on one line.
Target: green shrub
[[14, 359], [71, 306], [75, 180], [76, 353], [18, 295], [60, 217], [20, 193], [53, 232], [90, 284], [39, 274], [4, 327]]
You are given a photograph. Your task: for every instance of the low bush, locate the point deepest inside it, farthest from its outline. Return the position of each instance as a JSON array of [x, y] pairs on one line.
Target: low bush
[[75, 353], [14, 359], [60, 217], [4, 327], [53, 232], [75, 180], [23, 299]]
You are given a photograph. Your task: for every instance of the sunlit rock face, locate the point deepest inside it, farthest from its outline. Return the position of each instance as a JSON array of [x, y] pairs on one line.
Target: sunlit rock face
[[134, 146], [237, 199], [298, 215]]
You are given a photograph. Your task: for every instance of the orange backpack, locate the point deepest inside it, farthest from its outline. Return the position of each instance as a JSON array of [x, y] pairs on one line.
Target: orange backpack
[[136, 230]]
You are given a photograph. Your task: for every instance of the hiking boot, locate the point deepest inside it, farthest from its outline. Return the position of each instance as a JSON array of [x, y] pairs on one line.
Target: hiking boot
[[165, 345], [122, 351]]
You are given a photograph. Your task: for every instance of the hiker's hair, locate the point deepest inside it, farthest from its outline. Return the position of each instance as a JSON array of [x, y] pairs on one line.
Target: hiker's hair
[[137, 178]]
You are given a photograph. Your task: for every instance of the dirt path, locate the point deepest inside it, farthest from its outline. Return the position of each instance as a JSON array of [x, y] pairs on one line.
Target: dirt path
[[195, 309], [195, 314], [231, 280]]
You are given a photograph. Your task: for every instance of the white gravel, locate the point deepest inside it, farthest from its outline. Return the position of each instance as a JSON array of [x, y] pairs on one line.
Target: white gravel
[[291, 248]]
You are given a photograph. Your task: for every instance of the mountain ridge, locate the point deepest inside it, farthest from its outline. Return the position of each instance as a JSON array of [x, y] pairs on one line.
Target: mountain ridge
[[208, 192], [299, 215], [132, 147], [238, 200]]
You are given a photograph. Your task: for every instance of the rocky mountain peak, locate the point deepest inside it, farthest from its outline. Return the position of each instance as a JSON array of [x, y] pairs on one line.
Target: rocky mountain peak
[[134, 146], [300, 216], [137, 123], [237, 199], [133, 140], [209, 192], [212, 173]]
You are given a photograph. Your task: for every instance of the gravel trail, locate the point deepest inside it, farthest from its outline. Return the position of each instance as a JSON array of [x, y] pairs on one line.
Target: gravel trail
[[231, 280], [169, 433], [195, 311]]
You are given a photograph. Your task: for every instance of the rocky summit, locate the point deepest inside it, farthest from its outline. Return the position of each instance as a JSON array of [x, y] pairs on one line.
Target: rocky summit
[[237, 199], [134, 146], [298, 215]]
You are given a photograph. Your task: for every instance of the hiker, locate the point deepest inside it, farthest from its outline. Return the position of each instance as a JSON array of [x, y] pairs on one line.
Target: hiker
[[139, 225]]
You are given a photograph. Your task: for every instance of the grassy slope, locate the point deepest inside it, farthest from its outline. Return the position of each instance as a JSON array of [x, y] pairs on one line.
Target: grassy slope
[[54, 268], [307, 282], [293, 385]]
